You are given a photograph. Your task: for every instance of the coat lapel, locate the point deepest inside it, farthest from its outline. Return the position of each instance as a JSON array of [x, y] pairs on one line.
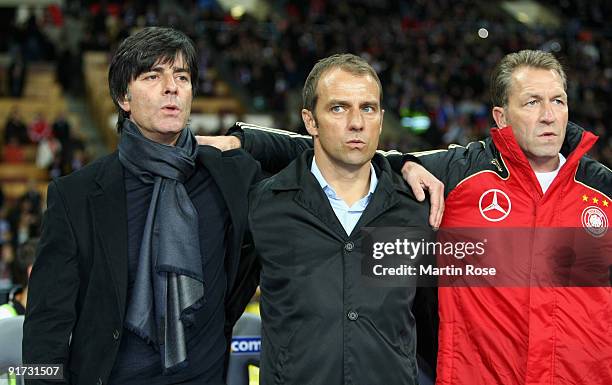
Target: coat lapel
[[313, 199], [309, 194], [109, 212], [384, 197]]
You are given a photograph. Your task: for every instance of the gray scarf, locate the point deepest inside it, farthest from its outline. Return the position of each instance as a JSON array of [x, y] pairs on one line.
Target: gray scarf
[[169, 285]]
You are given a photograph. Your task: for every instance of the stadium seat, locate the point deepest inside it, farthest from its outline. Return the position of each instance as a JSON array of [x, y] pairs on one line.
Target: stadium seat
[[11, 331], [246, 347]]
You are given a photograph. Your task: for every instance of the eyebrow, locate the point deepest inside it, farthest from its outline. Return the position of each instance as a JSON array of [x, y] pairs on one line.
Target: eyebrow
[[564, 95], [174, 69], [344, 102], [538, 96]]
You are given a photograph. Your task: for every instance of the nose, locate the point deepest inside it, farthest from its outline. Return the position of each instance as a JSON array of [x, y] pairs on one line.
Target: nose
[[356, 120], [548, 113], [170, 86]]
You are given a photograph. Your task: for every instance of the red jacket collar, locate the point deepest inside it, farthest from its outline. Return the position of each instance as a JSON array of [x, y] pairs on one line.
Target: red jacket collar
[[509, 148]]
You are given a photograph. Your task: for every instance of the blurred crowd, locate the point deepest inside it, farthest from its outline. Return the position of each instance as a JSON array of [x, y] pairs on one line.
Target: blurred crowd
[[50, 146], [19, 225], [433, 57], [57, 149]]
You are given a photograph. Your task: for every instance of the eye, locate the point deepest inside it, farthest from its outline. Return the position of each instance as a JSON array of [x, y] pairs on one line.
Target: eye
[[559, 101], [368, 109], [337, 109], [531, 102], [151, 77], [184, 78]]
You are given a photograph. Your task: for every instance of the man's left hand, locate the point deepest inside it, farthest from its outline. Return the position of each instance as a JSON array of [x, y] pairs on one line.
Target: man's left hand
[[421, 180]]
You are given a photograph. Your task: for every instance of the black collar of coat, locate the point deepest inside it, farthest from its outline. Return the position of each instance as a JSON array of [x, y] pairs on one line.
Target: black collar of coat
[[298, 177], [111, 181]]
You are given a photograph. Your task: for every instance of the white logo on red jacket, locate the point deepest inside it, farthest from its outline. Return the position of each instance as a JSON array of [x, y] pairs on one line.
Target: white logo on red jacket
[[594, 221], [494, 205]]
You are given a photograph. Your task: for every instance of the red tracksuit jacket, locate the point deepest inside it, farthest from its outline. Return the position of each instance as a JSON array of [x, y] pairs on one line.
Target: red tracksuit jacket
[[524, 335]]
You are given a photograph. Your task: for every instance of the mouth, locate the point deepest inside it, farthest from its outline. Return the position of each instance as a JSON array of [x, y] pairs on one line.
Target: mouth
[[356, 143], [171, 109], [547, 134]]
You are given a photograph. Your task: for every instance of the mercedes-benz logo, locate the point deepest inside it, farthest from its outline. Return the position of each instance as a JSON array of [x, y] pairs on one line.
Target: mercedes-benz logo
[[494, 205]]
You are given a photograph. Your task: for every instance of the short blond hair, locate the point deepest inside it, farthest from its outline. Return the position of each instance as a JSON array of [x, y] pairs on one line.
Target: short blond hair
[[501, 78]]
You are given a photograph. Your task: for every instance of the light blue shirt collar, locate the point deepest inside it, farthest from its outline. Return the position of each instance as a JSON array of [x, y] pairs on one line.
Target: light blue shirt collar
[[348, 216], [321, 179]]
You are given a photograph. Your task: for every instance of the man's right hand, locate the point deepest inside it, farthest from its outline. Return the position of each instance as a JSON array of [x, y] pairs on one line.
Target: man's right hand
[[421, 180], [223, 143]]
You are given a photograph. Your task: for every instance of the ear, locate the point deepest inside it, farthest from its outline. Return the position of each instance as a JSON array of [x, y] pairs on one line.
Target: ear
[[310, 123], [382, 116], [499, 115], [124, 103]]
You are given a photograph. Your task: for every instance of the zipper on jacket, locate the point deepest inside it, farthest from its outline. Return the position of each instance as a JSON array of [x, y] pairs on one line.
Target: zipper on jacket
[[529, 364]]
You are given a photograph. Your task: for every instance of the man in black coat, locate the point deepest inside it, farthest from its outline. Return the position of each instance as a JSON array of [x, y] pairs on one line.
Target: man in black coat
[[325, 321], [136, 277]]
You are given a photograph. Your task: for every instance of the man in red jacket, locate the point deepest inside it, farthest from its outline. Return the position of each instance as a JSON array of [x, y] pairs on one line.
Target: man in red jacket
[[529, 174]]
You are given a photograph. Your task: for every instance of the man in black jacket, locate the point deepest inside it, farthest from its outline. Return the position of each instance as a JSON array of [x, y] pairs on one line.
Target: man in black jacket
[[139, 250], [322, 322]]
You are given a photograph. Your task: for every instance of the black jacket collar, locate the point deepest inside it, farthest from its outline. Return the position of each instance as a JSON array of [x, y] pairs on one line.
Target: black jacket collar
[[294, 176], [297, 176]]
